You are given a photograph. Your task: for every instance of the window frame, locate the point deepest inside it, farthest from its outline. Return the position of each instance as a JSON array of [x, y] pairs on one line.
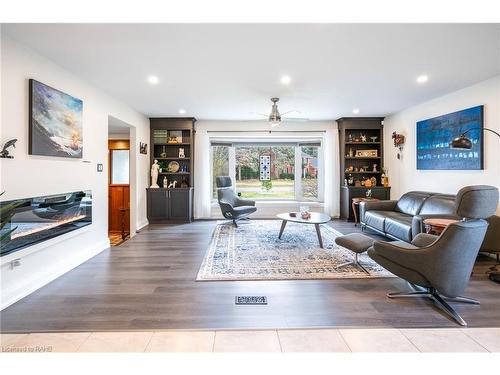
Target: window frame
[[298, 197]]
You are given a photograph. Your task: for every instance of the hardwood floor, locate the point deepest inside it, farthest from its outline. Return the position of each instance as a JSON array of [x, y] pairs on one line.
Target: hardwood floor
[[148, 283]]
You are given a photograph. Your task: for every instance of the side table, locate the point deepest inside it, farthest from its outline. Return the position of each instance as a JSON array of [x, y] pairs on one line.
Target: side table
[[437, 225], [355, 206]]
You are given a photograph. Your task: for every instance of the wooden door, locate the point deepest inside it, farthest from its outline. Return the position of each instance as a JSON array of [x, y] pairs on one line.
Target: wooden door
[[119, 187]]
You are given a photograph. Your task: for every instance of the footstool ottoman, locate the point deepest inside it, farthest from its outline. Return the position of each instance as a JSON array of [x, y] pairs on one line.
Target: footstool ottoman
[[356, 242]]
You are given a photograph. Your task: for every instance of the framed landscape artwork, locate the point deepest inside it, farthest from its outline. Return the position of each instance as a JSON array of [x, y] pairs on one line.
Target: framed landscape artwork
[[55, 122], [434, 136]]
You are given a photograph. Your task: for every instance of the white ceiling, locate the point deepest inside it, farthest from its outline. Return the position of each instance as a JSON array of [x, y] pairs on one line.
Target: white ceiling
[[226, 71]]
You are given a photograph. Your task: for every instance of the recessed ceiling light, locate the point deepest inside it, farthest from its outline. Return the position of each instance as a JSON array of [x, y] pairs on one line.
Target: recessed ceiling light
[[182, 111], [286, 80], [355, 111], [422, 78], [153, 80]]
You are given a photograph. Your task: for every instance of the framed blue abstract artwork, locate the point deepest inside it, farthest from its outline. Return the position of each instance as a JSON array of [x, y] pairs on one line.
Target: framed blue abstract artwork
[[434, 136]]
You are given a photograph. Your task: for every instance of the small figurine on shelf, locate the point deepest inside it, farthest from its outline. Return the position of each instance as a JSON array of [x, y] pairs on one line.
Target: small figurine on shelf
[[374, 181], [369, 193], [172, 184], [154, 174], [385, 178], [363, 138], [165, 182], [350, 180], [351, 152], [349, 138], [181, 153], [374, 168]]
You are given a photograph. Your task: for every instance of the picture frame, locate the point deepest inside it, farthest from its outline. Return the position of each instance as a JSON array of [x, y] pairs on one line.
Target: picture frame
[[175, 136], [435, 134], [55, 122], [366, 153]]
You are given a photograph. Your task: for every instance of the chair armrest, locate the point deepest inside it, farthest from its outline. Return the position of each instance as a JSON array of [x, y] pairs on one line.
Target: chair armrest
[[417, 223], [226, 208], [409, 258], [244, 202], [375, 205], [424, 240]]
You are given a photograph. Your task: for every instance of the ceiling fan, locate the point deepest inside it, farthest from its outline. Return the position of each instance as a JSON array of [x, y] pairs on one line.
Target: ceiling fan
[[275, 117]]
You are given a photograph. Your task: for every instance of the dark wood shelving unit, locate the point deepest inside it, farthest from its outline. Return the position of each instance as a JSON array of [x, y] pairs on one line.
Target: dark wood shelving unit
[[362, 143], [173, 158], [175, 204], [351, 129], [362, 157]]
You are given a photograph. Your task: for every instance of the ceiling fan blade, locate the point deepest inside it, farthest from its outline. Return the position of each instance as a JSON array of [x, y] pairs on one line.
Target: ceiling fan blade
[[260, 114], [292, 111], [296, 119]]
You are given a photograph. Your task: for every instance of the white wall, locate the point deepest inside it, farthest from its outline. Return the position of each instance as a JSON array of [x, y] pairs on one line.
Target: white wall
[[404, 175], [27, 176]]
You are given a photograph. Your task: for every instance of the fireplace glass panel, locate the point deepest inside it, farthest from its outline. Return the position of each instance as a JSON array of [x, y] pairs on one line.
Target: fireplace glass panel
[[32, 220]]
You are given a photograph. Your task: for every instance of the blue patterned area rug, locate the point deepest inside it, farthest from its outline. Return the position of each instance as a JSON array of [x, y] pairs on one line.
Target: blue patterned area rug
[[253, 252]]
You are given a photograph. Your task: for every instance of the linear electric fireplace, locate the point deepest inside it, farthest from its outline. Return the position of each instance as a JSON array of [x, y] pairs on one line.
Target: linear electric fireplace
[[32, 220]]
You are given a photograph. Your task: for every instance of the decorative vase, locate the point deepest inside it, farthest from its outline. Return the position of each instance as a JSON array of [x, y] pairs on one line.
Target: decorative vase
[[163, 153]]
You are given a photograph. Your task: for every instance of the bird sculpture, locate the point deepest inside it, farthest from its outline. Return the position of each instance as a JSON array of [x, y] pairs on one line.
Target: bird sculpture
[[5, 152]]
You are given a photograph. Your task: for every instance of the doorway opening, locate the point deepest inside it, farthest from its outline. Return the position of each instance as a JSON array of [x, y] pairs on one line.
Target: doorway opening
[[118, 182]]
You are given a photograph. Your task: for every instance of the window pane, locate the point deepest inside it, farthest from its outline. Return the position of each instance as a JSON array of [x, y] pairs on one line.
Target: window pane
[[309, 179], [119, 166], [248, 183], [220, 164]]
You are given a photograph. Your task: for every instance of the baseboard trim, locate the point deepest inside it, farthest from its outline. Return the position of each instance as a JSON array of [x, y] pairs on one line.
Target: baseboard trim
[[142, 226], [16, 293]]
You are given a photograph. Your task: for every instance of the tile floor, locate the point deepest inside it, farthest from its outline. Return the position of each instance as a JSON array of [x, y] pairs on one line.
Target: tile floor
[[310, 340]]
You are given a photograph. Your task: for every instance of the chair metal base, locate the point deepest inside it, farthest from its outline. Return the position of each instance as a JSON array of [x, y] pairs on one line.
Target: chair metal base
[[355, 263], [439, 300], [238, 219]]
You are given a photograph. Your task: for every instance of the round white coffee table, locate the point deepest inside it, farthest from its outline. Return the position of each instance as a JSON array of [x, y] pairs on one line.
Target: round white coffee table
[[316, 218]]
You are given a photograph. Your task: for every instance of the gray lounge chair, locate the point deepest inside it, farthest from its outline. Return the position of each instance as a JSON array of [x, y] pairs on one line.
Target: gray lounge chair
[[439, 268], [233, 207]]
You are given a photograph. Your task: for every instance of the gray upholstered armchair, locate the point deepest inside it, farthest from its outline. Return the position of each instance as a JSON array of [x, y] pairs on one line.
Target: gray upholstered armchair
[[439, 268], [232, 206]]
